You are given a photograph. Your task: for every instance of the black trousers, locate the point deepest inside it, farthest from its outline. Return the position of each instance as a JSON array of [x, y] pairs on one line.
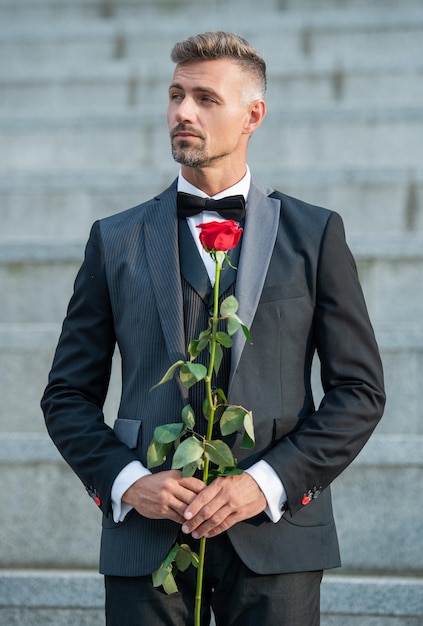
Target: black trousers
[[237, 596]]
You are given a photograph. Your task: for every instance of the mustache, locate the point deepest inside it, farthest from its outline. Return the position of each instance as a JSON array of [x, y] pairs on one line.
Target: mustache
[[185, 128]]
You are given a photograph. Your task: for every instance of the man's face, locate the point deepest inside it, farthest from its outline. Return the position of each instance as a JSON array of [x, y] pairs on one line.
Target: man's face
[[207, 117]]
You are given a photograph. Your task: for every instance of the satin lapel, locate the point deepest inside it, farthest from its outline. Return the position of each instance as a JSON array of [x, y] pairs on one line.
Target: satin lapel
[[163, 262], [258, 240], [192, 267]]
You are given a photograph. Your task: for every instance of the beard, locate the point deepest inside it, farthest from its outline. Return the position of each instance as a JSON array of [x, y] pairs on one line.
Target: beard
[[197, 157], [185, 154]]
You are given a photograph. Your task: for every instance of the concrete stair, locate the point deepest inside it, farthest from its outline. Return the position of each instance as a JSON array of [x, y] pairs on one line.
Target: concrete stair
[[83, 86], [62, 598]]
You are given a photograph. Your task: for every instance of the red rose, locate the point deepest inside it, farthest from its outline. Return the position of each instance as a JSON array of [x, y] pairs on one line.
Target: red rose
[[220, 235]]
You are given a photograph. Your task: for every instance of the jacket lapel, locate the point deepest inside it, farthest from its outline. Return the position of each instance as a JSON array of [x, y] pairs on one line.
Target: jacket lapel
[[258, 240], [161, 241], [192, 267]]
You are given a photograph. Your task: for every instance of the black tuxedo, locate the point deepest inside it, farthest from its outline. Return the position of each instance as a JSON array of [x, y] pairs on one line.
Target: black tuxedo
[[298, 292]]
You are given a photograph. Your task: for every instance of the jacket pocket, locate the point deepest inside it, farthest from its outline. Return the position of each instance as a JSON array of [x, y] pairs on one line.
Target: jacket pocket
[[127, 431], [283, 292]]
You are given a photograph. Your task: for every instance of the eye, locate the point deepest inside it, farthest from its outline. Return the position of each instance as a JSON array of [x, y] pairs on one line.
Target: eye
[[208, 100], [175, 96]]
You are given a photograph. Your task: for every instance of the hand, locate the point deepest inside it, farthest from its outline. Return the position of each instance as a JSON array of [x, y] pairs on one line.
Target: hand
[[226, 501], [164, 495]]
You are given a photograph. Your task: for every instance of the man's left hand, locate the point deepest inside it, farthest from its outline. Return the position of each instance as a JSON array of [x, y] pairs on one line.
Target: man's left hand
[[226, 501]]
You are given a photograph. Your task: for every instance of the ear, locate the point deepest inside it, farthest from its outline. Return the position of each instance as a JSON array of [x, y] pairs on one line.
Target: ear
[[256, 114]]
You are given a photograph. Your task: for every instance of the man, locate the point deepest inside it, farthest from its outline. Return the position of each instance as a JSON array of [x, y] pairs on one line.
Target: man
[[143, 285]]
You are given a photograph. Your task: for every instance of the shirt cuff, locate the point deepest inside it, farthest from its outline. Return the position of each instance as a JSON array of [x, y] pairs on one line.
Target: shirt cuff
[[126, 477], [272, 487]]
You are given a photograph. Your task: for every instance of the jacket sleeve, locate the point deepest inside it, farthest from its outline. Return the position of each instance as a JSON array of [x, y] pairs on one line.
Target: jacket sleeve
[[328, 440], [73, 400]]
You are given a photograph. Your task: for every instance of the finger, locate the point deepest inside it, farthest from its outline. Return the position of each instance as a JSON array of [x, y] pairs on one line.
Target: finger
[[221, 521], [163, 495], [183, 497], [203, 498], [212, 513], [207, 532], [193, 484]]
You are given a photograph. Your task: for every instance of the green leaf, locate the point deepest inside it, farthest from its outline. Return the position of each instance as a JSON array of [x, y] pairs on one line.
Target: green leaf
[[247, 442], [249, 439], [206, 408], [229, 306], [168, 432], [197, 370], [248, 425], [196, 346], [188, 416], [218, 356], [246, 332], [169, 374], [163, 574], [192, 373], [223, 471], [228, 261], [183, 557], [170, 555], [157, 453], [231, 420], [204, 338], [232, 471], [220, 395], [188, 451], [224, 339], [189, 469], [233, 325], [193, 349], [219, 452], [160, 575], [169, 584]]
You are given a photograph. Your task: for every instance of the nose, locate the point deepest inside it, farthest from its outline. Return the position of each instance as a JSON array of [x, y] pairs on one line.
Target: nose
[[185, 111]]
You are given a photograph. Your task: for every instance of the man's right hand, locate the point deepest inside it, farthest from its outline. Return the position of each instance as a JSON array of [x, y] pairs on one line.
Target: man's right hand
[[164, 495]]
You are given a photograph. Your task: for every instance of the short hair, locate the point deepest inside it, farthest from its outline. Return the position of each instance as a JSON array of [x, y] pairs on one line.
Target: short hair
[[211, 46]]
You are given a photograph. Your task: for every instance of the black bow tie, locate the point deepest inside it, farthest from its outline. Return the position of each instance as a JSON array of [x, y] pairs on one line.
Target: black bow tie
[[231, 207]]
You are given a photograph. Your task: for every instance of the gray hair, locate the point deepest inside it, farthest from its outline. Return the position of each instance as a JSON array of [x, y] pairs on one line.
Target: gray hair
[[211, 46]]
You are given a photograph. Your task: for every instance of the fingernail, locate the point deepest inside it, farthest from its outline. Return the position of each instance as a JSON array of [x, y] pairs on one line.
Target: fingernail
[[195, 535], [185, 529], [188, 515]]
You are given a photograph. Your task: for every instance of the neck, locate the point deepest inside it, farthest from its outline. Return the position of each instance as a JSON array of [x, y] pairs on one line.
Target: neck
[[212, 181]]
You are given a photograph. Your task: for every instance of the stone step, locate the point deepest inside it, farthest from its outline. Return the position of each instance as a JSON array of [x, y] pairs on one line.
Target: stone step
[[76, 598], [16, 11], [63, 207], [26, 354], [137, 88], [280, 36], [355, 138], [374, 488], [390, 269], [51, 598], [389, 468]]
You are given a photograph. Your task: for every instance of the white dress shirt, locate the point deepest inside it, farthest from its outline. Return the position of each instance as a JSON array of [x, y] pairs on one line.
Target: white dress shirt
[[264, 475]]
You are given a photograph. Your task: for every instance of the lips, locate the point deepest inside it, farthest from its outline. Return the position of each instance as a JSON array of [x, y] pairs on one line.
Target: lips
[[184, 133]]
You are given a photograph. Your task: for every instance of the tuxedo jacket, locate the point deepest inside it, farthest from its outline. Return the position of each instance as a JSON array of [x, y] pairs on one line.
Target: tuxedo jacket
[[298, 292]]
